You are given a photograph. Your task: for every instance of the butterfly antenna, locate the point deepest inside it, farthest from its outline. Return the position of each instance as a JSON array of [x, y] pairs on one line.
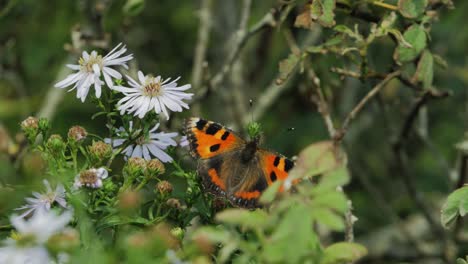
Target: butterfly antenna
[[251, 110]]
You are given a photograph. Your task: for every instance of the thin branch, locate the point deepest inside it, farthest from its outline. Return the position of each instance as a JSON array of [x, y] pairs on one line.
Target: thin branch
[[340, 134], [411, 117], [241, 38], [202, 43], [401, 163]]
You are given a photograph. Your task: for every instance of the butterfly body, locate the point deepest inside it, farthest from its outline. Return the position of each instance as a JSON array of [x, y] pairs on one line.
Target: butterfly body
[[230, 166]]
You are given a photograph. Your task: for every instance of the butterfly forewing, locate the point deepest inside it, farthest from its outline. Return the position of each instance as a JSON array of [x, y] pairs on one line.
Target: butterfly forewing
[[224, 168]]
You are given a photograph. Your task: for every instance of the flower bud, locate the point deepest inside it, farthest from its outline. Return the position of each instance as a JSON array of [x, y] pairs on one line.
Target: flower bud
[[91, 178], [77, 134], [66, 241], [155, 167], [129, 200], [100, 150], [178, 232], [55, 143], [30, 127], [203, 243], [174, 203], [135, 165], [164, 187], [137, 240], [5, 140], [44, 124]]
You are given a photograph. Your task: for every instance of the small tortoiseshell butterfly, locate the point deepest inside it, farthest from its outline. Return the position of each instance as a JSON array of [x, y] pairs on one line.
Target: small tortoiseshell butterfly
[[230, 166]]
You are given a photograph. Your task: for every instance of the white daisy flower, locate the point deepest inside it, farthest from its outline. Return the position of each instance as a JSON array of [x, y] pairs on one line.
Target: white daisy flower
[[44, 200], [147, 146], [91, 178], [12, 254], [152, 93], [29, 243], [90, 67], [42, 225]]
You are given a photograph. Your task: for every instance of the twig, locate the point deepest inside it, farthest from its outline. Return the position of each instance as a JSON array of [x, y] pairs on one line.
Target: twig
[[202, 44], [241, 38], [409, 120], [322, 105], [349, 222], [462, 178], [342, 131], [401, 162]]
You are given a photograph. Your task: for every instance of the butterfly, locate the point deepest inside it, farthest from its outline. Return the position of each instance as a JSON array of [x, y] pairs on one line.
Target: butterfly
[[230, 166]]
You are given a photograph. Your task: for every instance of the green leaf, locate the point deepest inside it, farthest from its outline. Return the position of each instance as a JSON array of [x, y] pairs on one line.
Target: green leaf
[[316, 159], [322, 11], [243, 217], [213, 234], [335, 200], [270, 193], [295, 229], [134, 7], [343, 252], [416, 37], [425, 70], [286, 67], [461, 261], [412, 8], [456, 204], [328, 218]]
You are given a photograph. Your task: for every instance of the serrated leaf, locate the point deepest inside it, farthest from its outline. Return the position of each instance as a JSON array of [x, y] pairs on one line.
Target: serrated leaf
[[416, 37], [412, 8], [328, 218], [316, 159], [243, 217], [451, 209], [343, 252], [323, 11], [286, 67], [425, 70]]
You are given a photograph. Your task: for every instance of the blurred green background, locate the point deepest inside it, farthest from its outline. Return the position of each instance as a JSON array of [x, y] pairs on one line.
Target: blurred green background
[[36, 41]]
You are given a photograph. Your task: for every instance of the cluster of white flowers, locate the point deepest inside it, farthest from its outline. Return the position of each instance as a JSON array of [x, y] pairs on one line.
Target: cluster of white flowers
[[149, 93], [29, 244], [144, 95]]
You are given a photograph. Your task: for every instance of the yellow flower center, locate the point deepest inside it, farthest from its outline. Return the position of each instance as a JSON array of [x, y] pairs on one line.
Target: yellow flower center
[[87, 65], [152, 87], [141, 140]]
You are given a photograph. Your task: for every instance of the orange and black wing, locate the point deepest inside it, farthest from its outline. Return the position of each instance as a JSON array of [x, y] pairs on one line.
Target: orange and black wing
[[208, 139], [213, 144], [264, 171]]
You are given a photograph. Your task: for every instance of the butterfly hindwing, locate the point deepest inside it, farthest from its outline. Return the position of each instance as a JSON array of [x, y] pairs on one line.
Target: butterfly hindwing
[[231, 167]]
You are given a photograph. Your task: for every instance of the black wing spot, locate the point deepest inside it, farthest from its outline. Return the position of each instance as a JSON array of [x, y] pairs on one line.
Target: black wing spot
[[201, 124], [277, 160], [213, 128], [288, 165], [273, 176], [215, 147], [225, 135]]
